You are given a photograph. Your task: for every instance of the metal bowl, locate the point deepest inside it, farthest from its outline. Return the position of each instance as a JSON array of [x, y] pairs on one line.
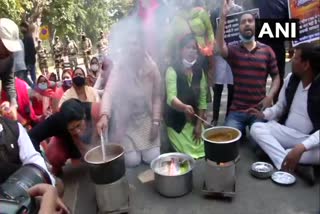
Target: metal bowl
[[173, 185], [261, 170], [283, 178]]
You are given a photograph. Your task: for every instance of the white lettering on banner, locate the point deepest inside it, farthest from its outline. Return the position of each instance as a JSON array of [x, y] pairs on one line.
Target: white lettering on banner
[[265, 30]]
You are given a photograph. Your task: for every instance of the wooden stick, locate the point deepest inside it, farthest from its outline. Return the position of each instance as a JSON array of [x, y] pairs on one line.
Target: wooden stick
[[203, 120]]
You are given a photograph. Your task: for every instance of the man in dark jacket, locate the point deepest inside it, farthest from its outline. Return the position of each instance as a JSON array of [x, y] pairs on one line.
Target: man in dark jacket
[[292, 134], [29, 49]]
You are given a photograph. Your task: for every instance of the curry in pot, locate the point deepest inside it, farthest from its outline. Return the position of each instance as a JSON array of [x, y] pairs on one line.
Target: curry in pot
[[223, 136]]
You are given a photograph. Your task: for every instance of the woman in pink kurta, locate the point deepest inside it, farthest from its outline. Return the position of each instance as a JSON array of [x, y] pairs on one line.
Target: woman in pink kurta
[[131, 105]]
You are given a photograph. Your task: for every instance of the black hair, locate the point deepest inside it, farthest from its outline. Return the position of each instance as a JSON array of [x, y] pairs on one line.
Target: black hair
[[248, 13], [79, 68], [177, 60], [310, 52], [24, 24], [73, 110], [94, 58]]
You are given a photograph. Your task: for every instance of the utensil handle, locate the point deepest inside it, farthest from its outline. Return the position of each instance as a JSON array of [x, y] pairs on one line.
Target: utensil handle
[[203, 120], [103, 148]]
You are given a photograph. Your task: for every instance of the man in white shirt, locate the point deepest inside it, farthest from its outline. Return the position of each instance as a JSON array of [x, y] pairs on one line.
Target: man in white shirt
[[292, 134], [16, 149]]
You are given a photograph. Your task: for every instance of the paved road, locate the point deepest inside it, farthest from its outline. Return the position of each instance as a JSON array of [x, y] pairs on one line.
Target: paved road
[[253, 196]]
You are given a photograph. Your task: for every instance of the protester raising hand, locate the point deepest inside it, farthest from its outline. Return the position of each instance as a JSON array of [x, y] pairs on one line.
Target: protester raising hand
[[226, 8], [50, 202]]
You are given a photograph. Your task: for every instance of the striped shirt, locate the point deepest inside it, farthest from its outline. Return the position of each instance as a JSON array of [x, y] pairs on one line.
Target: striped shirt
[[250, 71]]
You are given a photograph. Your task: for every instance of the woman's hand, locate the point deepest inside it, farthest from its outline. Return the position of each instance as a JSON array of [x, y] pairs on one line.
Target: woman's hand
[[102, 124], [50, 202], [197, 133], [188, 110], [154, 131]]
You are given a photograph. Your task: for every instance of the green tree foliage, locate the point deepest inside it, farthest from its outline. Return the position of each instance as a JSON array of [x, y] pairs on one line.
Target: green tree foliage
[[68, 17], [71, 17], [14, 9]]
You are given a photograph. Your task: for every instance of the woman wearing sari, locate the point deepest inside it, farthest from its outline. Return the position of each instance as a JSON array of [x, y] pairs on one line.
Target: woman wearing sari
[[79, 89], [46, 97]]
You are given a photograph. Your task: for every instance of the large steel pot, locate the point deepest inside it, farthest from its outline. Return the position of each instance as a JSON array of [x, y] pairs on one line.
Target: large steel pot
[[221, 152], [110, 170], [173, 186]]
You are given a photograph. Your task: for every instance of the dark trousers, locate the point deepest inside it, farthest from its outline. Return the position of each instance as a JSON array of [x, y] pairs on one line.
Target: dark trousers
[[24, 76], [217, 100], [32, 70]]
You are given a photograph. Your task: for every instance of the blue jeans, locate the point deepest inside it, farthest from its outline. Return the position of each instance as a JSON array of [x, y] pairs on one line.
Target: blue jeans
[[241, 120]]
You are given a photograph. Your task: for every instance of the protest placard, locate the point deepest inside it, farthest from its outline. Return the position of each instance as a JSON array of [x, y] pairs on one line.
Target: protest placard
[[231, 35], [308, 13]]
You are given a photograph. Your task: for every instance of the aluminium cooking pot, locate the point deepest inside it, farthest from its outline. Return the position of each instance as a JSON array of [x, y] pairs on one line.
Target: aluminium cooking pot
[[110, 170], [174, 185], [221, 151]]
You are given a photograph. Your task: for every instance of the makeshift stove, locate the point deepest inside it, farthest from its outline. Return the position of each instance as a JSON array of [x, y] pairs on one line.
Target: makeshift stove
[[113, 198], [109, 178], [221, 154], [220, 179]]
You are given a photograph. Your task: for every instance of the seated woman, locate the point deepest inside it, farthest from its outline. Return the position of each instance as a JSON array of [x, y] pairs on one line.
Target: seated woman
[[46, 97], [66, 80], [131, 105], [186, 89], [94, 71], [53, 77], [71, 129], [79, 89]]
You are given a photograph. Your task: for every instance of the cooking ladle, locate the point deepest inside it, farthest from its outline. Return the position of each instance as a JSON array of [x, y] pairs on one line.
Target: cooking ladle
[[103, 148]]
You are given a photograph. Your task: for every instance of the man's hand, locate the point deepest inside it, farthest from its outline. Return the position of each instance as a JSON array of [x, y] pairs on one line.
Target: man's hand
[[226, 8], [50, 202], [265, 103], [102, 124], [292, 159], [197, 133], [258, 114], [154, 131]]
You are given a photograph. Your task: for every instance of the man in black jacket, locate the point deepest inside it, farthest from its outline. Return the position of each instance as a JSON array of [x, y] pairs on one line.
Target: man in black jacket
[[29, 49]]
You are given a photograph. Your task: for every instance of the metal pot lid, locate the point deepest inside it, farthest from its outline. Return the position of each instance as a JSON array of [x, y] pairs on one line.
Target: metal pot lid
[[283, 178], [261, 167]]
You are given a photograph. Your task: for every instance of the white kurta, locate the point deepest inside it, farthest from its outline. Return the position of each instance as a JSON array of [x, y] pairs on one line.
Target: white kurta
[[277, 140]]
